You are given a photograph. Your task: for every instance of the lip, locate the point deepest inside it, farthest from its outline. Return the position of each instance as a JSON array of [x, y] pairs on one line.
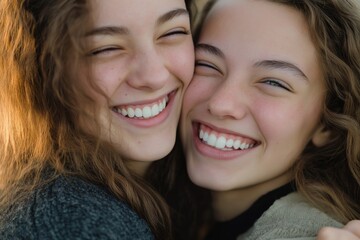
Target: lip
[[150, 122], [212, 152], [218, 129]]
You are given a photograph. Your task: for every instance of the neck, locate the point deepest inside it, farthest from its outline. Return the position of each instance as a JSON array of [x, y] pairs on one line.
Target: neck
[[139, 167], [230, 204]]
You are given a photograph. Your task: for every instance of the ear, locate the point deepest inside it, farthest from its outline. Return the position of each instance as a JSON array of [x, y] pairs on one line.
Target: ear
[[321, 136]]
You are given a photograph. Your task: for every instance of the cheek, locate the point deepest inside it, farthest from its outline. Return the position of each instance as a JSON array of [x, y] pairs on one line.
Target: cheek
[[182, 62], [273, 117], [283, 123], [196, 93], [107, 78]]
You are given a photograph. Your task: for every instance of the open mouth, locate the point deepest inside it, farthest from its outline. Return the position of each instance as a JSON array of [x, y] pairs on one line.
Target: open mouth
[[144, 111], [224, 141]]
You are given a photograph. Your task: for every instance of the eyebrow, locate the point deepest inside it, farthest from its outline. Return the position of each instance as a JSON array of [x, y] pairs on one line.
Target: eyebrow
[[114, 30], [207, 48], [277, 64], [171, 15], [270, 64], [108, 30]]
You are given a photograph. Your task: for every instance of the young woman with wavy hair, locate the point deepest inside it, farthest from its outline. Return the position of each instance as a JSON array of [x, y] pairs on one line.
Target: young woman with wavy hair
[[270, 121], [90, 95]]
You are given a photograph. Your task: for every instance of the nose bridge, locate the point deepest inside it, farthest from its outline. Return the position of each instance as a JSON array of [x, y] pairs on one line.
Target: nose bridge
[[149, 68], [229, 100]]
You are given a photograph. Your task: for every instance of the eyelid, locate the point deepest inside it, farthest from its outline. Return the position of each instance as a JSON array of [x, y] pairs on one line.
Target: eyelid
[[279, 83], [209, 65], [206, 64], [175, 31], [105, 49]]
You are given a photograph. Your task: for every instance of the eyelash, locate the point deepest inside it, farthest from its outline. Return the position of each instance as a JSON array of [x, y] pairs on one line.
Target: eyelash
[[109, 49], [104, 50], [207, 65], [276, 83], [271, 82], [181, 32]]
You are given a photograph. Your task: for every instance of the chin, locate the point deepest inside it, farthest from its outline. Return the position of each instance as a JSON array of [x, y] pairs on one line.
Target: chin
[[210, 179], [153, 150]]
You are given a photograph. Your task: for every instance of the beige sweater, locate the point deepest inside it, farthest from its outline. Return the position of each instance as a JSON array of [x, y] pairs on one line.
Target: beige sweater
[[290, 217]]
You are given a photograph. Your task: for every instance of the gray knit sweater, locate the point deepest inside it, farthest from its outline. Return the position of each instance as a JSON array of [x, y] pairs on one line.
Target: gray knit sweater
[[290, 217], [70, 208]]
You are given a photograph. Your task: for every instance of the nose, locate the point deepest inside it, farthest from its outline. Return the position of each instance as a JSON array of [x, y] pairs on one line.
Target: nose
[[148, 70], [228, 101]]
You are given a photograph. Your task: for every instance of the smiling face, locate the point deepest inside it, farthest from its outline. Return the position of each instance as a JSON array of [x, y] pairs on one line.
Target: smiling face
[[139, 60], [256, 98]]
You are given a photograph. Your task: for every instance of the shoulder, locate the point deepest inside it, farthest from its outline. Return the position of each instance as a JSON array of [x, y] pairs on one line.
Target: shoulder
[[72, 208], [290, 217]]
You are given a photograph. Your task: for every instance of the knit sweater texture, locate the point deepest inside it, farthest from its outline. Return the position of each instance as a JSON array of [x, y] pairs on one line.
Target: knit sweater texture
[[70, 208], [291, 217]]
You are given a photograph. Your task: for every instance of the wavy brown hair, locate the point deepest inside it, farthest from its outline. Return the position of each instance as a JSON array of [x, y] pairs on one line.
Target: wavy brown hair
[[329, 176], [39, 117]]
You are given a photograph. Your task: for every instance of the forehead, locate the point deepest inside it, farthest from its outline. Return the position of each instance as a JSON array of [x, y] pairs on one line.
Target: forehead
[[260, 29], [115, 12], [257, 18]]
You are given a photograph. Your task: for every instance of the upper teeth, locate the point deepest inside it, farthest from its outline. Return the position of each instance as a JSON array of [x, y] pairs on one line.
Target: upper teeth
[[221, 142], [147, 111]]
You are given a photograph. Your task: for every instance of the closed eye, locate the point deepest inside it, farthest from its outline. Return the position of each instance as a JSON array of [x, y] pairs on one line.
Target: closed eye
[[208, 65], [105, 51], [277, 83], [176, 32]]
